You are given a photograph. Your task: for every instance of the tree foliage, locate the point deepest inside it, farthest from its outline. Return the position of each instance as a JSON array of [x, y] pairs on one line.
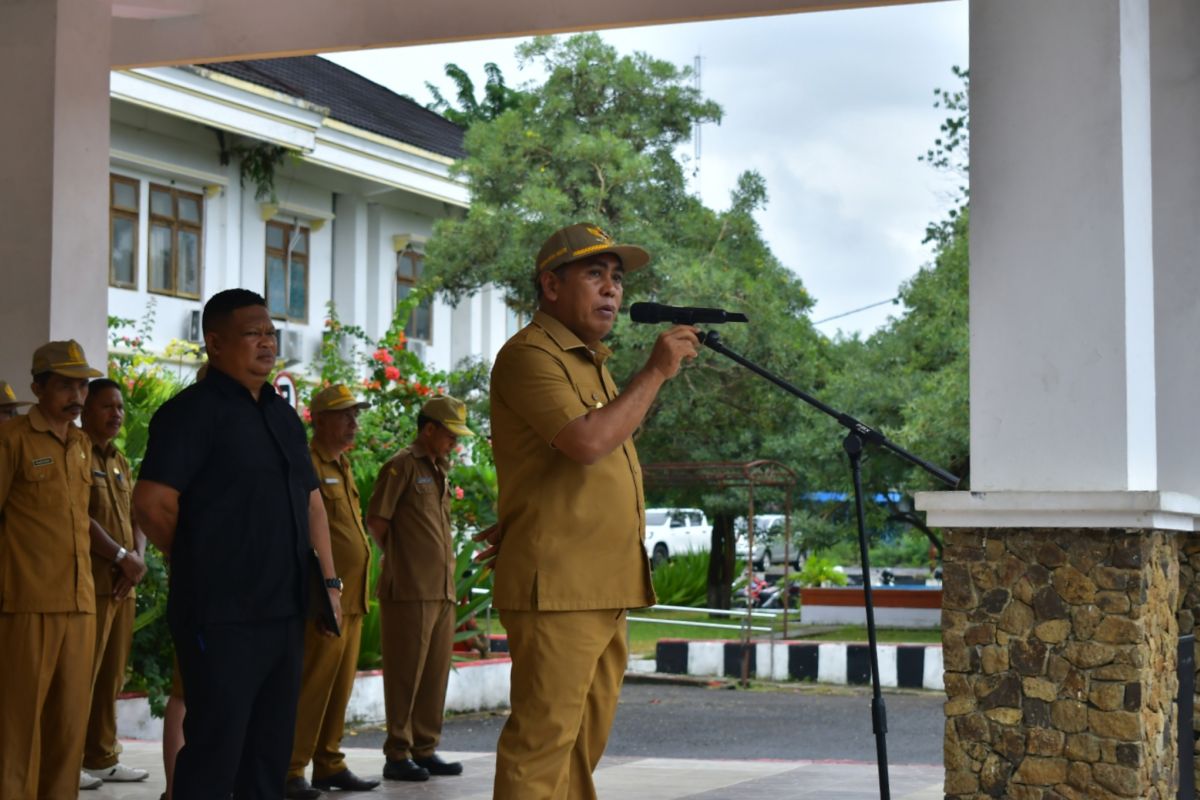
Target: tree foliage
[[497, 98]]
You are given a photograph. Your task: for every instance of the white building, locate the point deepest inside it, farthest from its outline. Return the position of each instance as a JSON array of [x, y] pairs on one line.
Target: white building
[[360, 176]]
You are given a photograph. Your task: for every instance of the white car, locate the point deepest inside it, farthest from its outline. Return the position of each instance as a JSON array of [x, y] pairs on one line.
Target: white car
[[768, 542], [671, 531]]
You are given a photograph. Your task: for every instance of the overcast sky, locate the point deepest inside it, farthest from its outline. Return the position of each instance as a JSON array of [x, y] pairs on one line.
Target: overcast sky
[[832, 108]]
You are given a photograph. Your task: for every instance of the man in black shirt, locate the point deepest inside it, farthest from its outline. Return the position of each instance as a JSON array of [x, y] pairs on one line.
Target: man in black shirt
[[227, 490]]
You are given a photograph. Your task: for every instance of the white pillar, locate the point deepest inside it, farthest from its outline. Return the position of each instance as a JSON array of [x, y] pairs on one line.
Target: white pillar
[[54, 58], [1062, 333], [1175, 65], [350, 259], [1080, 417]]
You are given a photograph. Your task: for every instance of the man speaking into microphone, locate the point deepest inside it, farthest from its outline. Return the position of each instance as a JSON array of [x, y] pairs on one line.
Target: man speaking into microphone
[[571, 512]]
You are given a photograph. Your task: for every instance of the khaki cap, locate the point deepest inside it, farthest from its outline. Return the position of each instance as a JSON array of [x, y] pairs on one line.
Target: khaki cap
[[63, 358], [335, 398], [450, 412], [582, 240], [8, 397]]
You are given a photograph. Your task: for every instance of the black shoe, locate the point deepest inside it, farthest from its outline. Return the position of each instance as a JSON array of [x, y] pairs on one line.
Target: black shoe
[[300, 789], [404, 770], [436, 766], [345, 780]]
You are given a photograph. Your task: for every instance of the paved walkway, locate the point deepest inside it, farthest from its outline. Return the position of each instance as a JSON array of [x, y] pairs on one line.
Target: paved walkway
[[625, 778]]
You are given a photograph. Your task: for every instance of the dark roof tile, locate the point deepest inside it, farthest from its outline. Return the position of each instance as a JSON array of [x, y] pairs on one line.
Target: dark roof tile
[[352, 99]]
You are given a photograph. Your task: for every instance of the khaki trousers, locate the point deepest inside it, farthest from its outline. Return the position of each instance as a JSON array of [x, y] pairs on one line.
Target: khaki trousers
[[326, 681], [114, 637], [418, 637], [47, 680], [567, 669]]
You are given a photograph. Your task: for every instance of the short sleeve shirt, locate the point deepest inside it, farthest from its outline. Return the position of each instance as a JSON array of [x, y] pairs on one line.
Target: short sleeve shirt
[[413, 495], [241, 550], [572, 532], [347, 536], [109, 504], [45, 548]]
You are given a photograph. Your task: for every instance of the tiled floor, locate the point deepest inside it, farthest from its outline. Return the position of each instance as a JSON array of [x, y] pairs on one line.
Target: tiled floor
[[624, 778]]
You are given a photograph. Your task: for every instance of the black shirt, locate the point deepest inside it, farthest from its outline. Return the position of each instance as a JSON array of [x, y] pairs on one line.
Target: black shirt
[[244, 477]]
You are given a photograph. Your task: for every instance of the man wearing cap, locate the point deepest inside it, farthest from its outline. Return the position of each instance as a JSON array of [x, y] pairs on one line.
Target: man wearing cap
[[10, 406], [118, 565], [227, 490], [409, 516], [572, 513], [330, 664], [47, 598]]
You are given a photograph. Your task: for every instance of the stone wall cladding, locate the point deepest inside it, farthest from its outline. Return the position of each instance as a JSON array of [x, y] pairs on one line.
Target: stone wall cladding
[[1059, 651]]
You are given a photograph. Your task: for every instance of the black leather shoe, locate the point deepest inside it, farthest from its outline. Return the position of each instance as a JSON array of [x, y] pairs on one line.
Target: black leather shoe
[[436, 766], [404, 770], [345, 780], [300, 789]]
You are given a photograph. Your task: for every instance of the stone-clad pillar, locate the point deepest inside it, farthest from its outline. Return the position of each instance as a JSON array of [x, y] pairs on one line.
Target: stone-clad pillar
[[1059, 650], [1072, 562]]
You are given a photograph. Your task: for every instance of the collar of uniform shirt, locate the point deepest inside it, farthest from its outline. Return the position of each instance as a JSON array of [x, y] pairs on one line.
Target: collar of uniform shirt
[[564, 338]]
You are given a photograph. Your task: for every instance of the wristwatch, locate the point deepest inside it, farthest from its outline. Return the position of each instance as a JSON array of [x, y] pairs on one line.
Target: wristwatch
[[333, 583], [121, 553]]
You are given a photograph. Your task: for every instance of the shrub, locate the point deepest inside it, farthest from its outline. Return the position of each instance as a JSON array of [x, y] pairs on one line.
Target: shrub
[[683, 581]]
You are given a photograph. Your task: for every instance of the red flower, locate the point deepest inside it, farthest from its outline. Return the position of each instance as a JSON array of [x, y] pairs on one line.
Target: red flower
[[306, 414], [458, 492], [391, 373], [383, 356]]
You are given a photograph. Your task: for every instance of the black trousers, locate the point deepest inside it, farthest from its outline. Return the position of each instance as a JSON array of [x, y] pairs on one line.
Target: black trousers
[[241, 683]]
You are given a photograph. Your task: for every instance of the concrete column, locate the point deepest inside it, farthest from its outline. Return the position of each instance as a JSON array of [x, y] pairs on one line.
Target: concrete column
[[1062, 289], [350, 258], [1175, 115], [54, 58]]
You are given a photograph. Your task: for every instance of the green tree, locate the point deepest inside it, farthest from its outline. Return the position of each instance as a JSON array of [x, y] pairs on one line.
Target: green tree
[[910, 378], [497, 98], [597, 142]]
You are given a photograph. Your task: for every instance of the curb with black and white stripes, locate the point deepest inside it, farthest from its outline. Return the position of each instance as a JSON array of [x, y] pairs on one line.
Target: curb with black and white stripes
[[911, 666]]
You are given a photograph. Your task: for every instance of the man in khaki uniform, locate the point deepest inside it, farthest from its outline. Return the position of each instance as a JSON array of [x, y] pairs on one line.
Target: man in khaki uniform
[[409, 516], [118, 565], [47, 598], [331, 663], [10, 406], [572, 514]]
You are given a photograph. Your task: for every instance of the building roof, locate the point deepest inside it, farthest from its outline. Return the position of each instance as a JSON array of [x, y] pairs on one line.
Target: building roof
[[352, 99]]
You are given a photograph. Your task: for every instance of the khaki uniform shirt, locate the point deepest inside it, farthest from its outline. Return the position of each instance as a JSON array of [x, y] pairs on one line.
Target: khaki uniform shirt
[[347, 535], [45, 549], [413, 494], [109, 504], [572, 533]]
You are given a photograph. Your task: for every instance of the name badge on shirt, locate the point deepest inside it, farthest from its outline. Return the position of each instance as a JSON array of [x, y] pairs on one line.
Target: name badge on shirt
[[43, 462], [332, 480], [424, 479], [99, 473]]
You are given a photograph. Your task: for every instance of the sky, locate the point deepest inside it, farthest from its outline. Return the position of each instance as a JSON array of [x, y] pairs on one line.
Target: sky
[[832, 108]]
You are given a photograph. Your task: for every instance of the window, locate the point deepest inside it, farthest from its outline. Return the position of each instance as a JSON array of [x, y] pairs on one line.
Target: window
[[122, 232], [410, 265], [287, 271], [176, 227]]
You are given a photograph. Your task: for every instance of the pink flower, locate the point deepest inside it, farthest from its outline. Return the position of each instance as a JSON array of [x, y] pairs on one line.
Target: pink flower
[[458, 492], [391, 373], [306, 414], [382, 356]]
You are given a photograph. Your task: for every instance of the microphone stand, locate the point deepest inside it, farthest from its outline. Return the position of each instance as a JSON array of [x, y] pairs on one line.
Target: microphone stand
[[857, 438]]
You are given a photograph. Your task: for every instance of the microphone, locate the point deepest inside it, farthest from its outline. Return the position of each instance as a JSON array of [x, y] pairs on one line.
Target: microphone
[[682, 315]]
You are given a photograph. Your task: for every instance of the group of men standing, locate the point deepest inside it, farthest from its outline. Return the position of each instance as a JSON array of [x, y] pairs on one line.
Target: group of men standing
[[249, 512]]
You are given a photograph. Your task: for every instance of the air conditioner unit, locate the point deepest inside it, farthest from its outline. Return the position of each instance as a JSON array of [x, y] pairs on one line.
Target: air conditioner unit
[[291, 346], [192, 330]]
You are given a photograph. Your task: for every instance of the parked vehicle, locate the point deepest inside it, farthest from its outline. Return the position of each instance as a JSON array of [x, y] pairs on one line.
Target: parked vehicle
[[769, 532], [670, 531]]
